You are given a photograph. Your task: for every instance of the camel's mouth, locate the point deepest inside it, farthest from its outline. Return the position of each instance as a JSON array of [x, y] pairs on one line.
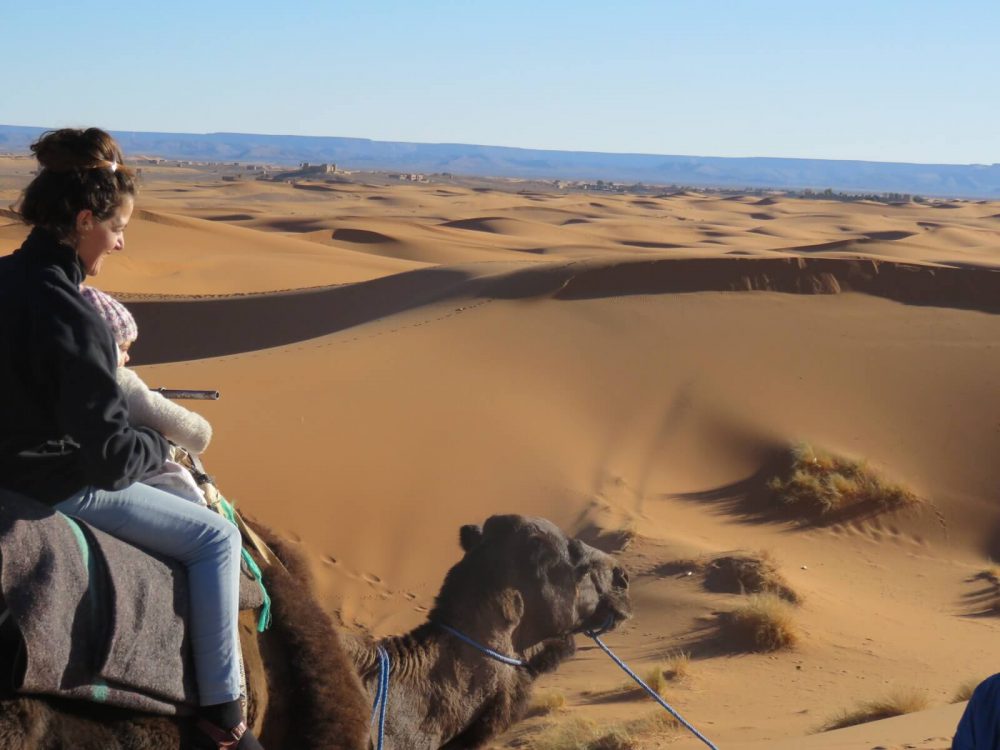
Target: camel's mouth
[[609, 614]]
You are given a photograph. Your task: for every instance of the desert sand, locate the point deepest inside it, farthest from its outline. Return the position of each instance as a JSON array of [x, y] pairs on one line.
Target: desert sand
[[397, 361]]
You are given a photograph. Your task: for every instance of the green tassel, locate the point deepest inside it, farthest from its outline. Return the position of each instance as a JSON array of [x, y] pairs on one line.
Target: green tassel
[[264, 620]]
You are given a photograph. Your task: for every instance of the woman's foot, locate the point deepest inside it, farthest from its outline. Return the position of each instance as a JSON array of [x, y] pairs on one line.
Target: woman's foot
[[221, 727], [237, 738]]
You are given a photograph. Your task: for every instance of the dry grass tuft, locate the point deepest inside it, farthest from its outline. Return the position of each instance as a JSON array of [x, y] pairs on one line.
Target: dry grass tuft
[[654, 677], [657, 723], [586, 734], [582, 734], [965, 690], [677, 666], [899, 702], [822, 483], [545, 703], [675, 669], [748, 574], [765, 623]]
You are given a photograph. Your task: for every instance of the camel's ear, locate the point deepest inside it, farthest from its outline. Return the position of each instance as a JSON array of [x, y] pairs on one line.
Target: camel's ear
[[469, 536], [512, 606]]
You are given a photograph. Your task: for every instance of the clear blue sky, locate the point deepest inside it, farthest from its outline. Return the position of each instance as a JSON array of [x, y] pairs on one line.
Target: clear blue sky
[[885, 80]]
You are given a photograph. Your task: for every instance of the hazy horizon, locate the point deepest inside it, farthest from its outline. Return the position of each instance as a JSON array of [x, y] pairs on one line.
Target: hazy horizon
[[484, 145]]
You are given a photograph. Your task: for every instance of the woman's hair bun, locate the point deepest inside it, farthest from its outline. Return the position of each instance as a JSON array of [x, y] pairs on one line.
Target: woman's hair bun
[[69, 148]]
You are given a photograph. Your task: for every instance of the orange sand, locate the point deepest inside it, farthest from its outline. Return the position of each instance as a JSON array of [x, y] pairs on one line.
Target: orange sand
[[472, 352]]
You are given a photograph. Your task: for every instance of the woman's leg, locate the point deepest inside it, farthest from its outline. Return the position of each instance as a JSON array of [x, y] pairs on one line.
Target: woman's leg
[[207, 545]]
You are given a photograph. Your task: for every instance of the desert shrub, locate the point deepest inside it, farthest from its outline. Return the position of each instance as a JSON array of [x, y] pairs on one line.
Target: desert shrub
[[657, 723], [654, 677], [617, 738], [583, 734], [965, 690], [821, 483], [586, 734], [676, 667], [898, 702], [546, 702], [765, 623], [748, 574]]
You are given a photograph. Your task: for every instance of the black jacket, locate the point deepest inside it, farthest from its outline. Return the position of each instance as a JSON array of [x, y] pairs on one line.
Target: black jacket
[[63, 421]]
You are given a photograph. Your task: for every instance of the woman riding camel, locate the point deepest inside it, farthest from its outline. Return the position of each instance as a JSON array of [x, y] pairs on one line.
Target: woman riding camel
[[65, 437]]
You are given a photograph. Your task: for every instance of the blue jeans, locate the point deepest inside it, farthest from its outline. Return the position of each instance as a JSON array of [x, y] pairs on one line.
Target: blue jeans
[[979, 727], [209, 548]]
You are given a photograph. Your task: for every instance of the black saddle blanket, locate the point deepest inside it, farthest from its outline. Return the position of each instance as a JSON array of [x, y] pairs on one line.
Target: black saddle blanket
[[101, 620]]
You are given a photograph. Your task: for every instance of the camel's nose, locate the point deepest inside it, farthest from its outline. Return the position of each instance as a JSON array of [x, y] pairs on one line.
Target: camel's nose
[[619, 578]]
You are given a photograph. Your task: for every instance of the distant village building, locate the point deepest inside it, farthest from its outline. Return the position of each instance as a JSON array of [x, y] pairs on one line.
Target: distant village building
[[307, 168]]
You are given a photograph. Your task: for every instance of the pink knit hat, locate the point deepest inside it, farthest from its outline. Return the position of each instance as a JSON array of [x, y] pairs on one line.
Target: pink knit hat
[[118, 318]]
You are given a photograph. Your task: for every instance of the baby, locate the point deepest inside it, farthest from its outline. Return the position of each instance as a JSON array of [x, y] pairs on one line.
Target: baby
[[147, 408]]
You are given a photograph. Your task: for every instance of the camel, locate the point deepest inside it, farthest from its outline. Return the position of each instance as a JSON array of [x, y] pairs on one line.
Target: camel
[[522, 587]]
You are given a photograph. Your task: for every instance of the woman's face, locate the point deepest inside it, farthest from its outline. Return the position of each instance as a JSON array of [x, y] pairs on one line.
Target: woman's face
[[98, 238]]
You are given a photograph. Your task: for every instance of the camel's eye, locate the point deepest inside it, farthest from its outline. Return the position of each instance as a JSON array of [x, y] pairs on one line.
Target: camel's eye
[[575, 551], [541, 551]]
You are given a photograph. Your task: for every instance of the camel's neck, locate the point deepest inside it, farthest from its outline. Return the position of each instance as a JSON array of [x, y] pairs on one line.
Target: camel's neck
[[437, 679], [485, 628], [430, 643]]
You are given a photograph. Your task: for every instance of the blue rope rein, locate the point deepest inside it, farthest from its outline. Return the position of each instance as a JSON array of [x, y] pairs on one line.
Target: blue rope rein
[[381, 695], [480, 647], [596, 636]]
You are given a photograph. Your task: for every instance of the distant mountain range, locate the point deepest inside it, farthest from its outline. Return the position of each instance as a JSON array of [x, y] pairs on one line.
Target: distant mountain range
[[951, 180]]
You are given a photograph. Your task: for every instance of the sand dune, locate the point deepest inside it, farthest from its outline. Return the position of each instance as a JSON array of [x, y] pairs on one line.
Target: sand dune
[[397, 361]]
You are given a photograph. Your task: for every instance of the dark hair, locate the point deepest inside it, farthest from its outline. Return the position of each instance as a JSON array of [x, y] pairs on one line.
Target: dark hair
[[79, 169]]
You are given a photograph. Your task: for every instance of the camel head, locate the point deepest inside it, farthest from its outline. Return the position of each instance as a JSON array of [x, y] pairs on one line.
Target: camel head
[[540, 583]]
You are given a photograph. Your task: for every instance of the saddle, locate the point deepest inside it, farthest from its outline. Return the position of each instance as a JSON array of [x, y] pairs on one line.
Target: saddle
[[99, 619]]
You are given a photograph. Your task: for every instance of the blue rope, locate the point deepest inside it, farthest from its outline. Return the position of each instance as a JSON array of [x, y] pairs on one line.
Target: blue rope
[[596, 635], [381, 694], [488, 651]]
